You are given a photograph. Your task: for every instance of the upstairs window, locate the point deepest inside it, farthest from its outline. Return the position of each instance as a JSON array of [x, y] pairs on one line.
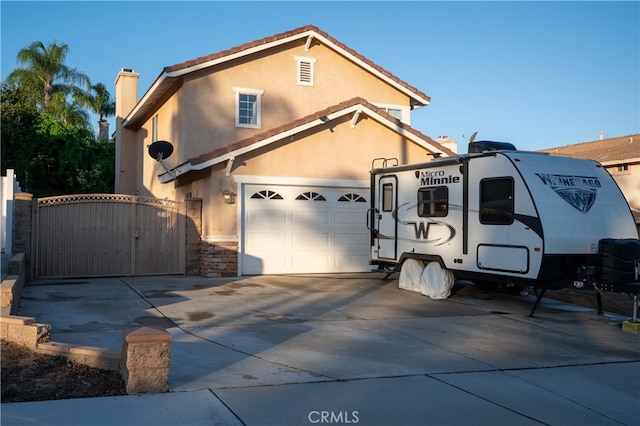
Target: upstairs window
[[248, 107], [433, 202], [395, 113], [154, 128], [305, 70], [496, 201]]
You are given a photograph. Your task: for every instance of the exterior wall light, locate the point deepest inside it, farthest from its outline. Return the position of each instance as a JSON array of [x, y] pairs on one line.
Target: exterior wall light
[[227, 185], [229, 196]]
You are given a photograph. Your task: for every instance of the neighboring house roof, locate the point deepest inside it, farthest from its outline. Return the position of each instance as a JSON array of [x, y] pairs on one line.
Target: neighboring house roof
[[622, 149], [355, 106], [171, 75]]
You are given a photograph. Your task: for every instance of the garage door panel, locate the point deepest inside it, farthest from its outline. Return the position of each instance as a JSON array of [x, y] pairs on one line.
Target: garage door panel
[[352, 240], [311, 263], [349, 218], [311, 241], [311, 218], [264, 265], [273, 241], [353, 263], [266, 217], [298, 233]]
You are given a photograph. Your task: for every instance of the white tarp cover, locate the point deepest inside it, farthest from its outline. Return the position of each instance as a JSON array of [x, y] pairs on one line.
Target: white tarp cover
[[432, 281], [436, 282], [410, 274]]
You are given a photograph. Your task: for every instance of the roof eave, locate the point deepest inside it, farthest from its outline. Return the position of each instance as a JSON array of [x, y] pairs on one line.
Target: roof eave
[[416, 100], [188, 166]]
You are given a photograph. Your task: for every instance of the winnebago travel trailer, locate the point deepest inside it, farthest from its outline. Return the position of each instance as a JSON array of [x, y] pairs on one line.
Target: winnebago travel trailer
[[498, 215]]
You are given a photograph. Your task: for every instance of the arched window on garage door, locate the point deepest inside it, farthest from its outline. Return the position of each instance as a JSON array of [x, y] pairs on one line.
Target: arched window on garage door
[[267, 195], [353, 198], [311, 196]]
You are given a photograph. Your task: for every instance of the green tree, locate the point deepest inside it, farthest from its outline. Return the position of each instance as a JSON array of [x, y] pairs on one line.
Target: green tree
[[69, 160], [42, 68], [51, 157], [69, 111], [100, 102], [18, 121], [46, 135]]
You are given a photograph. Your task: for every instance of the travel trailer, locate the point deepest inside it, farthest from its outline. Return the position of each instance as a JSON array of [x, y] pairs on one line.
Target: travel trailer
[[499, 215]]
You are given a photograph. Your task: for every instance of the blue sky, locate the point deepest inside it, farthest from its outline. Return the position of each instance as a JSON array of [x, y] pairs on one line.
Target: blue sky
[[537, 74]]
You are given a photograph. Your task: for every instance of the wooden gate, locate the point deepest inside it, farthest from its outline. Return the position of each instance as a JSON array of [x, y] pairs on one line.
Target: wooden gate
[[108, 235]]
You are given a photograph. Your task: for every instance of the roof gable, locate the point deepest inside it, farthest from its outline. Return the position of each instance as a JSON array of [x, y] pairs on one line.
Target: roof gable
[[606, 151], [172, 74], [355, 106]]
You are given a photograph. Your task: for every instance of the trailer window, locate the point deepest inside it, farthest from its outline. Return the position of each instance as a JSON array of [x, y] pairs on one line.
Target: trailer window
[[496, 201], [387, 197], [433, 202]]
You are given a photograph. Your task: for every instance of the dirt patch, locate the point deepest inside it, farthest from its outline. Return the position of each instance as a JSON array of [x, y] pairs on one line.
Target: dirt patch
[[31, 376], [617, 303]]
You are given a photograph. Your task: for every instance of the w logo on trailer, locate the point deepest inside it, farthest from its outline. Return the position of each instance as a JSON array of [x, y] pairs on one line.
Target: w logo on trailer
[[580, 199], [579, 191]]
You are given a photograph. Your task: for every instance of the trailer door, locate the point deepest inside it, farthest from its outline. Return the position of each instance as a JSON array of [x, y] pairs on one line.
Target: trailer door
[[387, 225], [497, 238]]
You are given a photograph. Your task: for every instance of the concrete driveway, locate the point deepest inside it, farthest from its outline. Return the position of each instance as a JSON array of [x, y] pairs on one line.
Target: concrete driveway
[[319, 349]]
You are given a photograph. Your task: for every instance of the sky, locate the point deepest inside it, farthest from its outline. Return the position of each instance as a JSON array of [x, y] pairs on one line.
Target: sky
[[536, 74]]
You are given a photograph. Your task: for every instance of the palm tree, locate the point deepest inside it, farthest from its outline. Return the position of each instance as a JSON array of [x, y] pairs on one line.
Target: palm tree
[[69, 112], [100, 102], [43, 69]]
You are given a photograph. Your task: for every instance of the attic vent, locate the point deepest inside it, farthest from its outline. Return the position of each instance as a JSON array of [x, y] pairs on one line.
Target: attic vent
[[305, 70]]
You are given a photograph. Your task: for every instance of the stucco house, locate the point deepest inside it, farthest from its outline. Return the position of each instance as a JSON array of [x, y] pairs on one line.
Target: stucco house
[[620, 156], [277, 137]]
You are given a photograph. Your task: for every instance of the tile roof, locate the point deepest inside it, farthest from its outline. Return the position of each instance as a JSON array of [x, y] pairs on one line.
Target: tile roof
[[612, 150], [212, 157], [171, 75], [285, 35]]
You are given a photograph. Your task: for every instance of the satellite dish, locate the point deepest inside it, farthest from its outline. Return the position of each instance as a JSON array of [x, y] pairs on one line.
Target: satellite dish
[[473, 137], [160, 150]]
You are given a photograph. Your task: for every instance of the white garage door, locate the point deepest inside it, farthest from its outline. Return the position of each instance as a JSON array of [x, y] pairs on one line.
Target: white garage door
[[300, 229]]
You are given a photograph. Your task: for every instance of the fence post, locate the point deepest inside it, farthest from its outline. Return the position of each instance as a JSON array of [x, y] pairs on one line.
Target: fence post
[[146, 356], [194, 230], [23, 228]]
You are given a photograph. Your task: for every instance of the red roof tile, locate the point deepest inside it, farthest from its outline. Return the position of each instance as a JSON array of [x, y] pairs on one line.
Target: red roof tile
[[309, 118], [616, 149], [284, 35]]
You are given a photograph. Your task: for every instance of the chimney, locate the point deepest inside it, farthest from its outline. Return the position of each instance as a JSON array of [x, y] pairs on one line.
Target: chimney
[[126, 150], [448, 143], [103, 130], [126, 92]]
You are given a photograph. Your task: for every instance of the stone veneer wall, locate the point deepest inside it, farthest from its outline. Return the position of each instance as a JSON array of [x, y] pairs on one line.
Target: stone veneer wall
[[23, 203], [219, 259], [194, 229]]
